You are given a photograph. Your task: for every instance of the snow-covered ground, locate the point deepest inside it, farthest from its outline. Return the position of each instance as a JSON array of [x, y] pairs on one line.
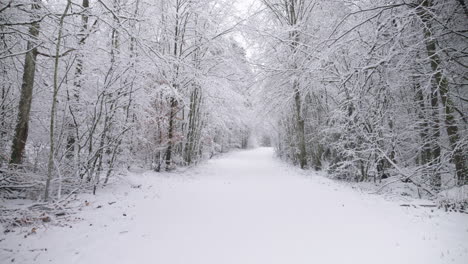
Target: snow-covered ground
[[245, 207]]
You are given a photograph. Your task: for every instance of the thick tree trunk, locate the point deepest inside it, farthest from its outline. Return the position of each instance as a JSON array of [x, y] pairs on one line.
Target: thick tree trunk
[[425, 155], [291, 7], [452, 130], [435, 135], [300, 128], [180, 24], [5, 93], [192, 126], [24, 110], [74, 99], [440, 87], [170, 134]]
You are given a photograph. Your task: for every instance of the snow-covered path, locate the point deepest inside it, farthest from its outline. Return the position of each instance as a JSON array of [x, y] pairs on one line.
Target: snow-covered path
[[246, 207]]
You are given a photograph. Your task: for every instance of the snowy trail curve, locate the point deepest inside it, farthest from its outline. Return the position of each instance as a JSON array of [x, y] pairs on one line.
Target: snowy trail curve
[[248, 207]]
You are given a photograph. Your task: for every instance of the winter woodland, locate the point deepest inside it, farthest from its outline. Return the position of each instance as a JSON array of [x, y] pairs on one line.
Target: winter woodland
[[368, 92], [102, 85]]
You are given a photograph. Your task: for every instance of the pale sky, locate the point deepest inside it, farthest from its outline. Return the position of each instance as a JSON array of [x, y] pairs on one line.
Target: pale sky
[[243, 5]]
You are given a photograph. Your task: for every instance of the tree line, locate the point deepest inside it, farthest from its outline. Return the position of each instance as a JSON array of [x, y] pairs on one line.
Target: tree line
[[368, 89], [91, 87]]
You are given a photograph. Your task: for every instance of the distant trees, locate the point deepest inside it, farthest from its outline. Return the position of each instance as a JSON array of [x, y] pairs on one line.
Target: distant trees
[[383, 88], [120, 83], [293, 16]]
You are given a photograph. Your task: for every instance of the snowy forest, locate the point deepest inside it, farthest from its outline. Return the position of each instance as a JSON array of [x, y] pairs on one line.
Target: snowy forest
[[103, 85], [373, 93], [369, 89], [363, 89]]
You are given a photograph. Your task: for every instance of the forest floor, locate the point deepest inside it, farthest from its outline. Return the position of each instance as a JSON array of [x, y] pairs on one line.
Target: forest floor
[[244, 207]]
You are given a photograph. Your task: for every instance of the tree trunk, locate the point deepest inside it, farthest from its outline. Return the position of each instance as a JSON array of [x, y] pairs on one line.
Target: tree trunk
[[192, 125], [24, 109], [170, 134], [54, 103], [440, 87], [74, 100], [425, 155], [294, 37], [300, 128], [452, 129]]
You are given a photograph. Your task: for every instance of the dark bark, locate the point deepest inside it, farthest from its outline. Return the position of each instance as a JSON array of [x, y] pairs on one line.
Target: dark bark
[[170, 134], [300, 128], [190, 145], [425, 156], [440, 87], [22, 126], [294, 36], [463, 5], [75, 97]]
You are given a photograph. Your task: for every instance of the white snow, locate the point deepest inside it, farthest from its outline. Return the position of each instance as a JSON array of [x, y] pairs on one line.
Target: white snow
[[245, 207]]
